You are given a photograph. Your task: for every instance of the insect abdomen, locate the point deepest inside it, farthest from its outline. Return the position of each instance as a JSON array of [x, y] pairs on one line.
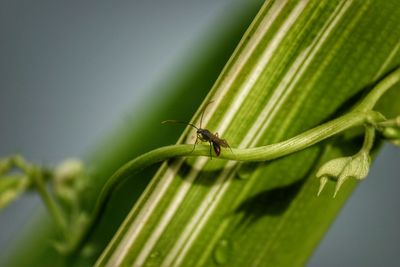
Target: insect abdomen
[[217, 148]]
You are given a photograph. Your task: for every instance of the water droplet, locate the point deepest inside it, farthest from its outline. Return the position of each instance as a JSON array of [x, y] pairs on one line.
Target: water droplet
[[222, 251], [155, 254], [89, 250], [242, 176], [153, 259]]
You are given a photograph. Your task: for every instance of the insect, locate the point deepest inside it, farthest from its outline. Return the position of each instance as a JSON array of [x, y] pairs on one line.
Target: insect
[[205, 135]]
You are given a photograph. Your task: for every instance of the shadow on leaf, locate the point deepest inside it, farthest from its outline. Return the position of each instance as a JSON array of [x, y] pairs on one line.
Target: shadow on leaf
[[275, 201], [205, 177], [269, 203]]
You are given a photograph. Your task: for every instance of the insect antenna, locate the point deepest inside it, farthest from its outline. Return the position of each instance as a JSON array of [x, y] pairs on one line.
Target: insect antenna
[[186, 123], [204, 109], [180, 122]]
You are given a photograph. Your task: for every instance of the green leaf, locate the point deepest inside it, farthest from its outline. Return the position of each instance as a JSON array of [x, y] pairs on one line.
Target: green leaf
[[341, 169], [299, 64]]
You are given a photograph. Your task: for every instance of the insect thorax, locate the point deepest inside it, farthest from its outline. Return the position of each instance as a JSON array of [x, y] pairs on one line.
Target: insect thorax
[[204, 135]]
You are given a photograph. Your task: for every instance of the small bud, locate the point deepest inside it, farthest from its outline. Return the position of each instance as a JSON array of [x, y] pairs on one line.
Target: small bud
[[68, 170], [392, 134], [67, 176], [341, 169], [395, 142], [358, 168], [11, 188], [333, 168], [5, 165], [322, 182]]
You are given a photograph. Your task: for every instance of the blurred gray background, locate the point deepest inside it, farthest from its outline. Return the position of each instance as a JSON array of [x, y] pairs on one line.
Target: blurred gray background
[[71, 70]]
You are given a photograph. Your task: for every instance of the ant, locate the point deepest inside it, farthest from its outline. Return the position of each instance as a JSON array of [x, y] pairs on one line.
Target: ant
[[205, 135]]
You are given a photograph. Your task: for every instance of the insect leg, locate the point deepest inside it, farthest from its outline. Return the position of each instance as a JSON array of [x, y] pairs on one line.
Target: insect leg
[[210, 149], [230, 149], [195, 143]]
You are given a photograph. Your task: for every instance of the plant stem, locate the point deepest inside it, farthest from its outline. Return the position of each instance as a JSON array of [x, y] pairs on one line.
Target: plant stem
[[49, 202], [368, 139], [37, 178], [381, 88]]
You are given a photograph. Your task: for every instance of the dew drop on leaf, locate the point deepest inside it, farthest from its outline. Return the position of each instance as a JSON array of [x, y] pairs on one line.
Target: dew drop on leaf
[[222, 251], [153, 259], [154, 254]]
